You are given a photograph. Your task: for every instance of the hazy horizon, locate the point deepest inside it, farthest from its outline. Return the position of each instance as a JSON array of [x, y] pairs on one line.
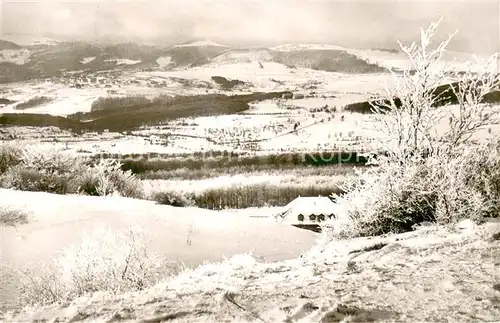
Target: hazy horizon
[[355, 23]]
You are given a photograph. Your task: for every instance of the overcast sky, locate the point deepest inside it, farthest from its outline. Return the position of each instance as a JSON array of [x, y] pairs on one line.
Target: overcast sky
[[348, 23]]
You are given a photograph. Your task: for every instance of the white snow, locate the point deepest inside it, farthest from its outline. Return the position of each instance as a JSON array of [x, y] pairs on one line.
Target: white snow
[[399, 60], [201, 43], [249, 72], [87, 60], [300, 47], [242, 56], [66, 216], [164, 61], [67, 100], [123, 61]]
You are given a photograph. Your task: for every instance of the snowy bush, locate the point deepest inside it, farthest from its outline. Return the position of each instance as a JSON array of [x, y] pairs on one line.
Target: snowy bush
[[172, 198], [42, 170], [11, 217], [106, 178], [51, 161], [10, 156], [428, 173], [21, 177], [396, 197], [53, 171], [104, 261]]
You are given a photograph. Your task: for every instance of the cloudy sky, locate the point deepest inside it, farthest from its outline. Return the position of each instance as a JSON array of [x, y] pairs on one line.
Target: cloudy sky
[[347, 23]]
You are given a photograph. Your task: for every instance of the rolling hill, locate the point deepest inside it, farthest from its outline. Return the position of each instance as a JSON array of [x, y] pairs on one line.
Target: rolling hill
[[7, 45], [327, 60], [29, 40]]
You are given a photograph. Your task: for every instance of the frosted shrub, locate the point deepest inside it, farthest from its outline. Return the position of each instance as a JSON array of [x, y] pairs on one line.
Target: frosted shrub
[[469, 184], [10, 156], [34, 169], [106, 178], [51, 161], [171, 198], [394, 197], [42, 170], [12, 217], [411, 114], [21, 177], [103, 261], [392, 200], [428, 173]]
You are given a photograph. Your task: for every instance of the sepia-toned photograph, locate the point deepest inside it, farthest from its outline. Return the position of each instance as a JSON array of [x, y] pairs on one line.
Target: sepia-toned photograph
[[249, 161]]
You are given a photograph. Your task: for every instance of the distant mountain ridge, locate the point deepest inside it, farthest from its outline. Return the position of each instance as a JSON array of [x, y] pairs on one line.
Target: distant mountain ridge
[[55, 57]]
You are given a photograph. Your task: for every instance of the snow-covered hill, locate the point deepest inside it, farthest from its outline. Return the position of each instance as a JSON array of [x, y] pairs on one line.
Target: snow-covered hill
[[201, 43], [302, 47], [30, 40], [399, 60], [235, 56]]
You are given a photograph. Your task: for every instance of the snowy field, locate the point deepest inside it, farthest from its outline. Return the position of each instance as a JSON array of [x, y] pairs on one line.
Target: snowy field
[[189, 235], [255, 132], [268, 126], [432, 274]]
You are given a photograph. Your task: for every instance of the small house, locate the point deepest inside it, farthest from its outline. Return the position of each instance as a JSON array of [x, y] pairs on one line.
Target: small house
[[308, 212], [298, 96]]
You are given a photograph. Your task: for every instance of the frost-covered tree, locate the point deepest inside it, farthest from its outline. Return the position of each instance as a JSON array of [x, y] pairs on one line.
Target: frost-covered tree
[[411, 114], [440, 163]]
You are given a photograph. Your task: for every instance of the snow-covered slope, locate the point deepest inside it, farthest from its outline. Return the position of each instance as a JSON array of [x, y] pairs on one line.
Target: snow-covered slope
[[201, 43], [211, 235], [399, 60], [432, 274], [235, 56], [302, 47]]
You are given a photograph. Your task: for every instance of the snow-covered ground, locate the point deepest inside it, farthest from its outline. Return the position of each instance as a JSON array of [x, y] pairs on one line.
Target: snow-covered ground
[[274, 76], [266, 128], [433, 274], [66, 101], [190, 235]]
